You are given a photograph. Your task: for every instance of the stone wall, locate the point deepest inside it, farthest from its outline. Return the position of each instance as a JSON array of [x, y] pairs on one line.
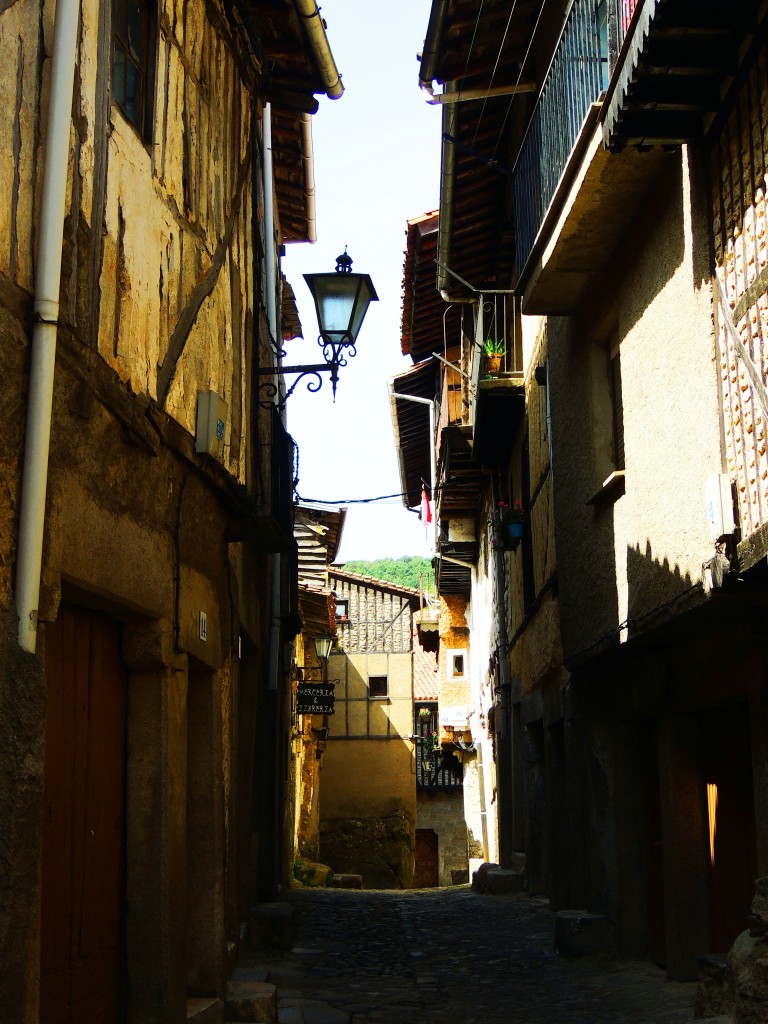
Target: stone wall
[[444, 814], [381, 849]]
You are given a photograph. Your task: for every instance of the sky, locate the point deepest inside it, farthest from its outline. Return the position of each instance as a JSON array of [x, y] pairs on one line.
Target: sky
[[377, 164]]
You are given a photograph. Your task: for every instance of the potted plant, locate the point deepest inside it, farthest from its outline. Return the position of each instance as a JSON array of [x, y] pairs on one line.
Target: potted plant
[[507, 523], [494, 352], [431, 745]]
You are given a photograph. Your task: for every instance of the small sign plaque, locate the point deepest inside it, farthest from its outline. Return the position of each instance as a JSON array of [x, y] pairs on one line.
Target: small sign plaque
[[315, 699]]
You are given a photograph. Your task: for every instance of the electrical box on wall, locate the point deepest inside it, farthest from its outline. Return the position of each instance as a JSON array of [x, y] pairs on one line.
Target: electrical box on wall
[[717, 494], [211, 424]]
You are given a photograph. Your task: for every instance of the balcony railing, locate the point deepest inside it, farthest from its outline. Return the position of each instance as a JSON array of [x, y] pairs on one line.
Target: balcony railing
[[579, 72], [498, 320]]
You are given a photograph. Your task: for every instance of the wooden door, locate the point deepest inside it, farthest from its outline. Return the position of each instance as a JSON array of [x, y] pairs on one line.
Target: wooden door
[[426, 874], [83, 820], [727, 773]]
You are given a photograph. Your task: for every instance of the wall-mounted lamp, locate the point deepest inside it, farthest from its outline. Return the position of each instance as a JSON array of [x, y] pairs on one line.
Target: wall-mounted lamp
[[323, 645], [341, 302], [308, 673]]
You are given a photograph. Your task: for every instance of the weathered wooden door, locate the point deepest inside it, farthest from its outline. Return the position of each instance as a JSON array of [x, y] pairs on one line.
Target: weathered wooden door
[[727, 771], [83, 820], [427, 873]]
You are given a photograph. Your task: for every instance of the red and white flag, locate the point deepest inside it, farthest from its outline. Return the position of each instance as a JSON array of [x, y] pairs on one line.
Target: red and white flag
[[426, 509]]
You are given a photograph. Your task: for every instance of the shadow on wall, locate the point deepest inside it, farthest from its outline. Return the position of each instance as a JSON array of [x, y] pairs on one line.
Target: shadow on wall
[[653, 588]]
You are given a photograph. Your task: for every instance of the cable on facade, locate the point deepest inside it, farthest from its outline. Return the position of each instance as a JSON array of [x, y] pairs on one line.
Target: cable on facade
[[495, 68], [630, 622], [519, 77]]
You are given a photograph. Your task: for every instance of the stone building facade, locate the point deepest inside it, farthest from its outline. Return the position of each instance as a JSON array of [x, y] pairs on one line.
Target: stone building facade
[[619, 671], [143, 743]]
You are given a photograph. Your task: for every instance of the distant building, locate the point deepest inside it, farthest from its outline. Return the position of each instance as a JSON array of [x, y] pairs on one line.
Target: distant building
[[368, 787]]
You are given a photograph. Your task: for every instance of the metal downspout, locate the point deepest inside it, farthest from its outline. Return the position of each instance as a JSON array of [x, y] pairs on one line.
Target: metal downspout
[[269, 849], [270, 258], [34, 481], [445, 219], [504, 731], [269, 226], [308, 161], [314, 26]]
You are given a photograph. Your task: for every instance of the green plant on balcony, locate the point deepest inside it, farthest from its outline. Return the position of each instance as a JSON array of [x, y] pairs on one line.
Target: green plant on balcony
[[431, 743], [493, 351], [494, 347]]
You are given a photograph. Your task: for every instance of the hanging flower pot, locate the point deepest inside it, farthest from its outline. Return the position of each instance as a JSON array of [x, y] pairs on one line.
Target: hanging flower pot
[[511, 535], [508, 525]]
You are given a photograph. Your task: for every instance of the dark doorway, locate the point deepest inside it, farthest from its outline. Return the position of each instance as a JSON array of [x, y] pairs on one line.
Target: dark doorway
[[654, 861], [427, 872], [83, 820], [727, 774]]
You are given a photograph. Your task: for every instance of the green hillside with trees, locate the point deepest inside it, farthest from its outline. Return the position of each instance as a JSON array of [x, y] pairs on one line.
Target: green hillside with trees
[[405, 571]]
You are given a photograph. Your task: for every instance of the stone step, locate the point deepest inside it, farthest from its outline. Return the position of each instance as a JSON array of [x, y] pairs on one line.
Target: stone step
[[347, 881], [578, 933], [492, 880], [272, 926], [251, 998], [205, 1010]]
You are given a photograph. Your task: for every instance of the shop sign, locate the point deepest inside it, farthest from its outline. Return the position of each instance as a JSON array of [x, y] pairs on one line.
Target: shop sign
[[315, 699]]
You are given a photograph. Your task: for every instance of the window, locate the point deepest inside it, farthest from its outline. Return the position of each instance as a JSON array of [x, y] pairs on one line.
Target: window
[[456, 664], [618, 410], [134, 40], [377, 686], [607, 419], [342, 611]]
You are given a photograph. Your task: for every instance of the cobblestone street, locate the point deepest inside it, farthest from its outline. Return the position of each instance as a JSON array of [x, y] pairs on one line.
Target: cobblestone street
[[423, 956]]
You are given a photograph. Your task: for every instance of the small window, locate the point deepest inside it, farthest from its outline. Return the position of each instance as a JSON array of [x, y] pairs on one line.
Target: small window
[[618, 411], [342, 611], [607, 420], [457, 664], [377, 686], [134, 41]]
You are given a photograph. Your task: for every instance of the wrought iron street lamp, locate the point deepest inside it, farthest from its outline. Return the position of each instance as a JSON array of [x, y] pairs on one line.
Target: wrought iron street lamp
[[341, 302], [323, 645]]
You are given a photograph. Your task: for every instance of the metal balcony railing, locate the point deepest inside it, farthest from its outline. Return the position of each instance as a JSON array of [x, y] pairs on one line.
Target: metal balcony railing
[[579, 72], [498, 320]]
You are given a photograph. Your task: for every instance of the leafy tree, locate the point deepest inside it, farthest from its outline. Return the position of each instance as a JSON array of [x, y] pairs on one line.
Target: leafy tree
[[405, 571]]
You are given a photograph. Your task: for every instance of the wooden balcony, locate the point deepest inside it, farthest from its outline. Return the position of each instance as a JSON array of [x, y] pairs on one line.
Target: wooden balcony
[[675, 66], [580, 183]]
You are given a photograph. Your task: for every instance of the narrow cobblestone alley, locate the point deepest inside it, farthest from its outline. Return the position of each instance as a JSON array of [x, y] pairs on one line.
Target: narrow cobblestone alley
[[416, 957]]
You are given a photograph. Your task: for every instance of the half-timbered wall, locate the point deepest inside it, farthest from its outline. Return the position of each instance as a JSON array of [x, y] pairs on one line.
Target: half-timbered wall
[[379, 620], [738, 166], [155, 274]]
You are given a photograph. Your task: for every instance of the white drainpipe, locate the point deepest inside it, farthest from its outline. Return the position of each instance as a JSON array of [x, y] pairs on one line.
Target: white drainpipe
[[269, 225], [46, 313], [308, 159]]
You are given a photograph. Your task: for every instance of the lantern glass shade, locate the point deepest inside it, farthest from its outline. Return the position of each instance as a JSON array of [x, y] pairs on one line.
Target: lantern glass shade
[[341, 302], [323, 646]]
